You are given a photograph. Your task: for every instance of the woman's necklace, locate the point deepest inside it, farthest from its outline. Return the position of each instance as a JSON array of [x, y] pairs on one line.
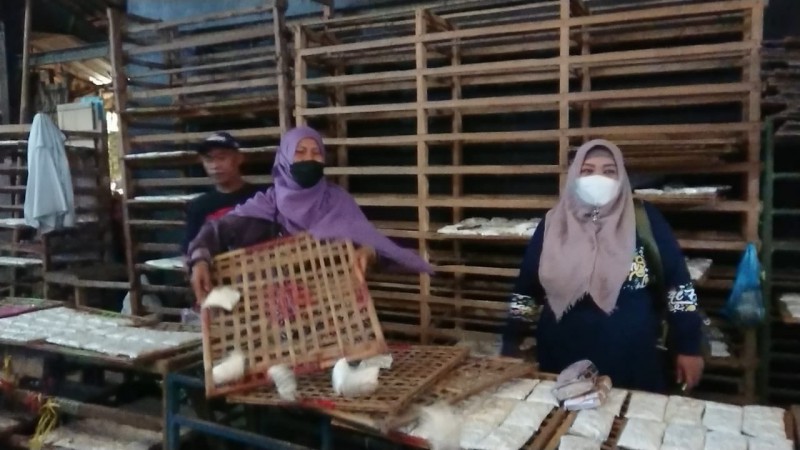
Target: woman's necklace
[[595, 214]]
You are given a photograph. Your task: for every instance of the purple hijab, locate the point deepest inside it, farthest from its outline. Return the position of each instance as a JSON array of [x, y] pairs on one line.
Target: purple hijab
[[325, 210]]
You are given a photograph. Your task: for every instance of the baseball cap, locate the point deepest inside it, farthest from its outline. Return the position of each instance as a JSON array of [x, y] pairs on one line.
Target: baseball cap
[[220, 139]]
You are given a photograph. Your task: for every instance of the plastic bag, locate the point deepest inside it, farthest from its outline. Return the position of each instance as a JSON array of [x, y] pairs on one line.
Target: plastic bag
[[745, 306]]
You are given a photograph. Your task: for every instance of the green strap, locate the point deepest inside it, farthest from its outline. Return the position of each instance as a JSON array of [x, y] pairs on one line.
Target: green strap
[[652, 256]]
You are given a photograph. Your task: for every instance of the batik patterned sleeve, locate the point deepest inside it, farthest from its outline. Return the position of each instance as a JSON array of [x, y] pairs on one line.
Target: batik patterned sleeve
[[684, 319], [525, 298]]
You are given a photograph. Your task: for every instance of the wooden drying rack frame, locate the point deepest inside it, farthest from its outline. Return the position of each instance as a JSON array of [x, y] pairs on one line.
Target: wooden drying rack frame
[[420, 36]]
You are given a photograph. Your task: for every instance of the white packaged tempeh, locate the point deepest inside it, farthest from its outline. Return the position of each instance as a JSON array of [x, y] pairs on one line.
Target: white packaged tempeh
[[528, 414], [543, 393], [493, 411], [569, 442], [764, 422], [684, 437], [647, 406], [516, 389], [593, 424], [613, 404], [717, 440], [506, 437], [641, 434], [723, 417], [685, 410], [769, 444]]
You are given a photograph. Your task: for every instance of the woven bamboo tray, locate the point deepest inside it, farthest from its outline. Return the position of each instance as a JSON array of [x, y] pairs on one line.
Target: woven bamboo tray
[[301, 305], [414, 369]]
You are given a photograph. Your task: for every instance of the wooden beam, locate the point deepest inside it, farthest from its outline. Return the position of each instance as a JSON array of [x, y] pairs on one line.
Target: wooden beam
[[5, 108], [24, 104]]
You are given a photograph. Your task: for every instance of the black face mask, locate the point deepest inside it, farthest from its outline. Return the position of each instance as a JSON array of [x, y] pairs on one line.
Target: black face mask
[[307, 173]]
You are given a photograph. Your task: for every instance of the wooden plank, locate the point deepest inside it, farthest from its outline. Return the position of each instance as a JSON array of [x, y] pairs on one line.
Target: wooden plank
[[193, 182], [445, 170], [201, 88], [282, 64], [261, 59], [197, 20], [197, 137], [203, 40]]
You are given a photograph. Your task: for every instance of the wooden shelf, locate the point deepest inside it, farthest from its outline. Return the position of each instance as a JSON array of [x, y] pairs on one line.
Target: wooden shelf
[[240, 76]]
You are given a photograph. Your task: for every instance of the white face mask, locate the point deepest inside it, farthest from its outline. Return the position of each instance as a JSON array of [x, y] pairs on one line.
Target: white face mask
[[596, 190]]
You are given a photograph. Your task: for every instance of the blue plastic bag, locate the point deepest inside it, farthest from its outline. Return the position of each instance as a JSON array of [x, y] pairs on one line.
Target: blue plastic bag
[[745, 306]]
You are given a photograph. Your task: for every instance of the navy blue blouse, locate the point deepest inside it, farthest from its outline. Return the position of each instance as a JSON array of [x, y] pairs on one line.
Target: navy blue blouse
[[622, 344]]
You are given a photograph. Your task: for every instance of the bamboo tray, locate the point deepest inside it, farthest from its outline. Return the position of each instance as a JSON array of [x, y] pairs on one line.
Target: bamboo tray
[[414, 369], [301, 305]]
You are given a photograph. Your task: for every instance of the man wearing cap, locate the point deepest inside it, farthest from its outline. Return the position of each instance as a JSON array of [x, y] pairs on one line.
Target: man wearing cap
[[222, 161]]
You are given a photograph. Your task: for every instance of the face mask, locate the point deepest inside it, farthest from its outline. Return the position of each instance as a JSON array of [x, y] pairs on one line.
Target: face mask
[[596, 190], [307, 173]]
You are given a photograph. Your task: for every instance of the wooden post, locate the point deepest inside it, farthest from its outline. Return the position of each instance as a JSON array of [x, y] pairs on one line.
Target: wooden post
[[340, 99], [5, 108], [421, 54], [300, 74], [24, 104], [120, 104], [563, 90], [282, 64], [458, 180], [753, 34]]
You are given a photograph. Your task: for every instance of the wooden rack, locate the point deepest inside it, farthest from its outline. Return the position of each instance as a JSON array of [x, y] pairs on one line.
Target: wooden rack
[[88, 242], [174, 84], [438, 116]]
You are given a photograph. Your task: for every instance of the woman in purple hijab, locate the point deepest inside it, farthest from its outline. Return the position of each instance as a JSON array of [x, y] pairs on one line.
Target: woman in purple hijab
[[301, 199]]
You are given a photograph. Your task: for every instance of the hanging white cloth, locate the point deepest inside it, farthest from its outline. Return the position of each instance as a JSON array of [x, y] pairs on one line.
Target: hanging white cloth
[[49, 201]]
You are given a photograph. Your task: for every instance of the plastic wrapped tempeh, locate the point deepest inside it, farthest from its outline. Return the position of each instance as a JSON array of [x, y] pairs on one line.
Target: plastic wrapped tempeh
[[723, 417], [528, 414], [684, 410], [684, 437], [613, 404], [516, 389], [641, 434], [764, 422], [593, 424], [770, 444], [543, 393], [592, 399], [577, 379], [506, 437], [568, 442], [716, 440], [647, 406]]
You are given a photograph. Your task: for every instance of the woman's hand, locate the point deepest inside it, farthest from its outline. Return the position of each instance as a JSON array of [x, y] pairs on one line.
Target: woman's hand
[[201, 281], [689, 370], [364, 256]]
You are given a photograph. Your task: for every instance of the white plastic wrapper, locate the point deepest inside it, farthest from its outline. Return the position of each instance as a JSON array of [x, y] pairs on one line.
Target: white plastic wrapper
[[641, 434], [684, 410], [516, 389], [473, 433], [528, 414], [543, 393], [723, 417], [764, 422], [613, 404], [770, 444], [647, 406], [506, 437], [569, 442], [493, 411], [593, 424], [684, 437], [716, 440]]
